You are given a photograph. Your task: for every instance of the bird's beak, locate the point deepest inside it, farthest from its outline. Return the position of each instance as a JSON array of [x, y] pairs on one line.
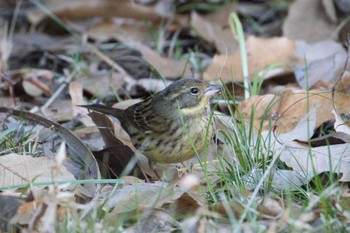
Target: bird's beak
[[212, 89]]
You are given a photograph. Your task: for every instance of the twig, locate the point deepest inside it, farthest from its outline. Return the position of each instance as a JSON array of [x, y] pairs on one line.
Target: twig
[[57, 92]]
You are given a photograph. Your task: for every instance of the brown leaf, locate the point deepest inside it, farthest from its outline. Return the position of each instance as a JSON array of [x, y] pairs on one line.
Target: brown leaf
[[271, 207], [9, 206], [76, 9], [76, 93], [167, 67], [341, 93], [289, 108], [261, 52], [211, 31], [108, 29], [185, 206]]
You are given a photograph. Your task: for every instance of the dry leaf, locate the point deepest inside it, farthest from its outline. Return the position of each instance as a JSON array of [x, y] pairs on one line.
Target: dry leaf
[[330, 10], [289, 108], [261, 52], [141, 197], [167, 67], [9, 206], [282, 180], [76, 9], [103, 84], [340, 125], [107, 29], [211, 31], [271, 207], [156, 221], [21, 169], [307, 21], [341, 93], [332, 158], [76, 93], [324, 62], [60, 111]]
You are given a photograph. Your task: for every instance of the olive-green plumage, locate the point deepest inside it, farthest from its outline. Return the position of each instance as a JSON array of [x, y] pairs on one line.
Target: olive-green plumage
[[166, 126]]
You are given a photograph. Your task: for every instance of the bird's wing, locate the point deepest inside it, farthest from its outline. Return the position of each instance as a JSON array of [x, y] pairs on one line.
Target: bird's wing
[[146, 118]]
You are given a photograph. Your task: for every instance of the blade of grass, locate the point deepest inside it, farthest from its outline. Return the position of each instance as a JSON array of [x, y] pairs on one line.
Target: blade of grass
[[236, 28]]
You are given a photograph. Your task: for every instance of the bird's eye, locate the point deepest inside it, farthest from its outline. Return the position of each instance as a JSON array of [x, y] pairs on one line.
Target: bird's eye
[[194, 91]]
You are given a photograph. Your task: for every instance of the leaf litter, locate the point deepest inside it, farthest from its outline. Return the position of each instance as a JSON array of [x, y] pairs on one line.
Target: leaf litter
[[295, 139]]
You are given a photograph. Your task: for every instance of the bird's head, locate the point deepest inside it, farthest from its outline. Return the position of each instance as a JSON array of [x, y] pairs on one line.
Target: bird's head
[[191, 96]]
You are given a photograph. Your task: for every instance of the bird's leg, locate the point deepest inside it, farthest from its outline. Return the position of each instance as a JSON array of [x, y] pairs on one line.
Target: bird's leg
[[153, 167], [186, 168]]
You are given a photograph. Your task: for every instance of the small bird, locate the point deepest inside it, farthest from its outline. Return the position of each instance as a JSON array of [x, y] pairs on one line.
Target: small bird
[[170, 126]]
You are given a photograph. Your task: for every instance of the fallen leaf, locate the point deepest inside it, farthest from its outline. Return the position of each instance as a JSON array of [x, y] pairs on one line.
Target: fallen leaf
[[107, 29], [211, 31], [103, 84], [141, 197], [271, 207], [76, 93], [9, 206], [307, 21], [167, 67], [287, 109], [20, 169], [282, 180], [155, 221], [75, 9], [340, 93], [340, 125], [261, 52], [331, 158], [330, 10], [323, 61]]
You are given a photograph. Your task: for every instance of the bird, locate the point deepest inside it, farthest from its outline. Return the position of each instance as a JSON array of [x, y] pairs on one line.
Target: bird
[[170, 126]]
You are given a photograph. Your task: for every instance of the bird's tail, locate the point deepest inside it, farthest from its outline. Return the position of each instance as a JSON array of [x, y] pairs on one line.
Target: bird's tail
[[118, 113]]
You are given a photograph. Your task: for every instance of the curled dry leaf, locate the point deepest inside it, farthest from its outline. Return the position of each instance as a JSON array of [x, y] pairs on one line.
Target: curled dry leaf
[[330, 10], [76, 93], [33, 82], [340, 125]]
